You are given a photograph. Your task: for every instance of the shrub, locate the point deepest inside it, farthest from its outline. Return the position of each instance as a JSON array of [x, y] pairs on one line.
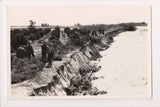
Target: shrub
[[23, 69], [67, 30], [32, 37], [57, 29], [55, 34], [20, 53], [79, 37], [82, 84], [18, 40], [46, 31], [129, 27], [31, 29]]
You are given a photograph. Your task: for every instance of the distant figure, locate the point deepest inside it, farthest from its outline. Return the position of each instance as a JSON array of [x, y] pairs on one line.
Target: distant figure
[[44, 51], [94, 33], [50, 55], [101, 30], [29, 50]]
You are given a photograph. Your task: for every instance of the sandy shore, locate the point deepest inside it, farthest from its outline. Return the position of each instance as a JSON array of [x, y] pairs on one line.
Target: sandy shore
[[125, 66]]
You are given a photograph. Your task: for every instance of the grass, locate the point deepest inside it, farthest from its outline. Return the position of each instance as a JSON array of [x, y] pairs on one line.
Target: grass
[[23, 69]]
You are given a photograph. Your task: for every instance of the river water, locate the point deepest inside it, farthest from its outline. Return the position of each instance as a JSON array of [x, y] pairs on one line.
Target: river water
[[126, 68]]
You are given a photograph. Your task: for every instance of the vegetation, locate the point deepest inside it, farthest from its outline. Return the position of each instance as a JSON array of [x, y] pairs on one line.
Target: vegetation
[[17, 40], [44, 24], [78, 37], [55, 34], [24, 69], [82, 84], [21, 36], [128, 27], [21, 67]]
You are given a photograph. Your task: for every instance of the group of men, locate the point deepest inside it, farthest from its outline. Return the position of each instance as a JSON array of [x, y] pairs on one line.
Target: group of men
[[47, 49], [25, 51]]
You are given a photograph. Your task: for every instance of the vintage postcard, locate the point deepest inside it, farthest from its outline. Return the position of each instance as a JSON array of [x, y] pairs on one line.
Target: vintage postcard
[[79, 51]]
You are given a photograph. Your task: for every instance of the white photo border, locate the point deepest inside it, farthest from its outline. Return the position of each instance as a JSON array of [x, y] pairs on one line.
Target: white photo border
[[154, 102]]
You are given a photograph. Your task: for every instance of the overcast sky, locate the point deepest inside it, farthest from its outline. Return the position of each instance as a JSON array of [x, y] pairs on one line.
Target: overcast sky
[[70, 15]]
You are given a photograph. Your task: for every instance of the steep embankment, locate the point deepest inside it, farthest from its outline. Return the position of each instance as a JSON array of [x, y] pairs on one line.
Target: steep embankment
[[53, 80]]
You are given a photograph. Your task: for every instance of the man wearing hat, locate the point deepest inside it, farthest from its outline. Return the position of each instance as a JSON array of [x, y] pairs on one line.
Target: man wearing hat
[[50, 55], [44, 51], [29, 50]]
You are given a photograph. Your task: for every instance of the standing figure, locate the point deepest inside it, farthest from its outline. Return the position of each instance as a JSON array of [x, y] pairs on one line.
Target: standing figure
[[102, 30], [29, 50], [44, 51], [94, 33], [50, 55]]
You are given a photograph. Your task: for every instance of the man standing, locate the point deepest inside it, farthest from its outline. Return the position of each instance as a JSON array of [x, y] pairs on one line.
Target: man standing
[[44, 51], [50, 55], [102, 30], [30, 51]]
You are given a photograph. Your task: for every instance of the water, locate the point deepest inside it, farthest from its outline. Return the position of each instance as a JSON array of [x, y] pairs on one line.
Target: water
[[126, 67]]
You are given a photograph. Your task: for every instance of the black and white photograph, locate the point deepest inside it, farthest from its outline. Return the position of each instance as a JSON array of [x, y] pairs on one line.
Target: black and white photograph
[[79, 51]]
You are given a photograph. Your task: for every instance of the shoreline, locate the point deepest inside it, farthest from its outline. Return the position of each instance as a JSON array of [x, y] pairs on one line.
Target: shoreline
[[126, 74]]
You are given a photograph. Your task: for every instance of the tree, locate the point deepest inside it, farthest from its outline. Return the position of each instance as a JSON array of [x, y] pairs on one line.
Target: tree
[[44, 24], [32, 36], [18, 40], [78, 24], [46, 31], [32, 23], [31, 27], [67, 30], [57, 29], [55, 34]]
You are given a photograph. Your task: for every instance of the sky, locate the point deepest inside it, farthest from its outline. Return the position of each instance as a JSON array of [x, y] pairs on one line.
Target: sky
[[70, 15]]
